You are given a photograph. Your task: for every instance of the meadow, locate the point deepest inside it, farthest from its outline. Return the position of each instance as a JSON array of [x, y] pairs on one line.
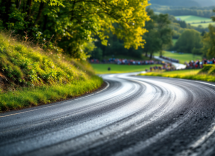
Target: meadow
[[103, 68], [195, 20], [181, 57]]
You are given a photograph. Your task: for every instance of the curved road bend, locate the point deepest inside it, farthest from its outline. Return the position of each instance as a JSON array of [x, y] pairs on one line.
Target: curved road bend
[[131, 116]]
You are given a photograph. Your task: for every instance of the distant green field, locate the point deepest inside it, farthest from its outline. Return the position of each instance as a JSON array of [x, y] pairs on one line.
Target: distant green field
[[195, 20], [157, 13], [204, 25], [102, 68], [190, 19], [182, 57]]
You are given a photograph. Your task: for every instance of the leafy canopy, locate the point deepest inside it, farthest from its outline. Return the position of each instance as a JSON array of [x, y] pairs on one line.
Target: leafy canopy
[[72, 24]]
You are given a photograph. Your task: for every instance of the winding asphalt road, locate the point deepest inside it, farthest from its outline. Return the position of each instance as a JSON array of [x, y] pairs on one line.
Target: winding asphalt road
[[132, 115]]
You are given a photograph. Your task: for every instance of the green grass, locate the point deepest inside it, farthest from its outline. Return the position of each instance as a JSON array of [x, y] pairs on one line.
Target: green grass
[[30, 76], [182, 57], [102, 68], [190, 18], [204, 25], [196, 20], [28, 97], [205, 74]]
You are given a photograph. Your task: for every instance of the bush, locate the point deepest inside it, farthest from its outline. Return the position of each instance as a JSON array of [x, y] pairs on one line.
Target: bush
[[206, 69]]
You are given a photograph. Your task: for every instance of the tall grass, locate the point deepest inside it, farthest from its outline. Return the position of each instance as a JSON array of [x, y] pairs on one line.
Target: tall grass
[[24, 65], [33, 76]]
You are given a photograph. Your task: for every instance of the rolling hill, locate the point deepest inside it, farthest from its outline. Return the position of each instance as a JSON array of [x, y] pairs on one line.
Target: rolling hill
[[195, 20], [184, 3]]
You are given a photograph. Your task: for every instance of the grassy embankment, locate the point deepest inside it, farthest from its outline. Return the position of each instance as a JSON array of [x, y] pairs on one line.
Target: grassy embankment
[[181, 57], [102, 68], [205, 74], [30, 76], [196, 20]]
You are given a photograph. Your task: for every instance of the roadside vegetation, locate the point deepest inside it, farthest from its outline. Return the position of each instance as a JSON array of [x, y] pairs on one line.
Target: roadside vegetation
[[103, 68], [57, 37], [29, 76], [205, 74]]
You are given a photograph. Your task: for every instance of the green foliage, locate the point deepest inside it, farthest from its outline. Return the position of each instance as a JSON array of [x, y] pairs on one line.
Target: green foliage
[[190, 41], [70, 26], [27, 66], [33, 77], [208, 69], [115, 47], [209, 42], [159, 35]]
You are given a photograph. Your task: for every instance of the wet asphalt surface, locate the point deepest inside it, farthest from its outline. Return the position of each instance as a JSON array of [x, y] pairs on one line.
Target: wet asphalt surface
[[132, 115]]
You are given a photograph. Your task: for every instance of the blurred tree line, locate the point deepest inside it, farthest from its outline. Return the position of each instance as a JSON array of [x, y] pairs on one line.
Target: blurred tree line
[[180, 11], [208, 49], [158, 37], [71, 26]]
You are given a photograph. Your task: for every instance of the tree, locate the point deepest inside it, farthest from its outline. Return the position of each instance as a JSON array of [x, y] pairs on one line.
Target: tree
[[159, 33], [165, 32], [70, 24], [190, 41], [209, 43]]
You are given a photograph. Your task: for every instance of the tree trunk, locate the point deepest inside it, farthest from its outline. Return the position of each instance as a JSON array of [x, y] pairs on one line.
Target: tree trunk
[[42, 5], [7, 4], [45, 22], [29, 4], [151, 55], [146, 54]]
